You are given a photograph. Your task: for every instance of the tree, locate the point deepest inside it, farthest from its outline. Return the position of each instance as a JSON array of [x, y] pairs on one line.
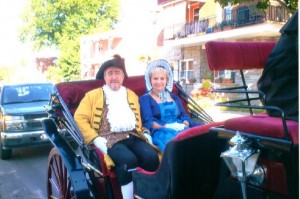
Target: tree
[[60, 24], [290, 5], [5, 73]]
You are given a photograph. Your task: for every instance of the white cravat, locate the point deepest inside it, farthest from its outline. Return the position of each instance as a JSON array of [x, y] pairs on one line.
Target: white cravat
[[120, 116]]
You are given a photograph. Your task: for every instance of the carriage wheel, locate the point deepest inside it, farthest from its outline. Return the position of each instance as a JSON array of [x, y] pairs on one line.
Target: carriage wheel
[[59, 184]]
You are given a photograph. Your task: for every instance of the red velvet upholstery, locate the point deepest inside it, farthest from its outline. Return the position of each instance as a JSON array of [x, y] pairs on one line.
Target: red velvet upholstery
[[237, 55], [197, 130], [263, 124], [241, 56], [73, 92]]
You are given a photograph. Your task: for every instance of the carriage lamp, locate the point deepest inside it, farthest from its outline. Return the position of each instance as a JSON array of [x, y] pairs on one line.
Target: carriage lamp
[[241, 160]]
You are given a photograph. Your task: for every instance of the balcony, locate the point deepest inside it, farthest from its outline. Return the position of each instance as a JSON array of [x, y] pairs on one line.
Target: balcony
[[240, 17]]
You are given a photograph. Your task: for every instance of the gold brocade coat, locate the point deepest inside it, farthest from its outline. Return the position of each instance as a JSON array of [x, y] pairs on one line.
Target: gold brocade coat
[[88, 115], [90, 110]]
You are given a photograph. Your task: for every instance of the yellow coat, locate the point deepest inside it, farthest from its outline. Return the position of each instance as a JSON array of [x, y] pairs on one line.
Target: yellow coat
[[89, 113]]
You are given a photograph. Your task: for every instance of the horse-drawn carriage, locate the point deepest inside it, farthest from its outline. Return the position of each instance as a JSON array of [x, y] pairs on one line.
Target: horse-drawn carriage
[[254, 156]]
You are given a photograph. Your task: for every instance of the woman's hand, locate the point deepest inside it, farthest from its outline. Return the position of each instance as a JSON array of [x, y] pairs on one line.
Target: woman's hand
[[175, 126], [186, 123]]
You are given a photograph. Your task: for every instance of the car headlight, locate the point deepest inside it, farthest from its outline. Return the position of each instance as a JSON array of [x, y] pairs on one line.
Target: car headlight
[[13, 123]]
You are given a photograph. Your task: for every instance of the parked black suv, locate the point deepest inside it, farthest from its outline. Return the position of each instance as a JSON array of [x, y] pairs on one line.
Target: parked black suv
[[22, 108]]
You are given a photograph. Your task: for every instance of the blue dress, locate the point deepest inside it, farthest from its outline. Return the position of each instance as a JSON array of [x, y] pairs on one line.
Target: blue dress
[[162, 113]]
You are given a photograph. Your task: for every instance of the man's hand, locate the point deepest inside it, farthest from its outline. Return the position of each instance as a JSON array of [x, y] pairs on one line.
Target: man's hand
[[100, 143], [149, 138]]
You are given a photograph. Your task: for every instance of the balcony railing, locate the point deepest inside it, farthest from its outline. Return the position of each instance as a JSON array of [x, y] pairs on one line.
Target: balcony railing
[[242, 16]]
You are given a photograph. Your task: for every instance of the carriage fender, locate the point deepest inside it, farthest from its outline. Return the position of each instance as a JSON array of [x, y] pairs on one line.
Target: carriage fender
[[69, 157]]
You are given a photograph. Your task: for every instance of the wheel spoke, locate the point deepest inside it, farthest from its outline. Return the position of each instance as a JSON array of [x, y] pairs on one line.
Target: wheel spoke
[[59, 185]]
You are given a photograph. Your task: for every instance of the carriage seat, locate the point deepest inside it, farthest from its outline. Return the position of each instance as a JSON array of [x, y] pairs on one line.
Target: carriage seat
[[264, 125], [182, 154], [73, 92], [245, 56]]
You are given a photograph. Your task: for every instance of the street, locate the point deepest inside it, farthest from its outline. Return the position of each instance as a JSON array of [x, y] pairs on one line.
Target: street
[[25, 174]]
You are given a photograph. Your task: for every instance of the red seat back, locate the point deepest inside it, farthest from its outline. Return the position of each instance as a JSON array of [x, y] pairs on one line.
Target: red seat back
[[237, 55], [73, 92], [241, 56]]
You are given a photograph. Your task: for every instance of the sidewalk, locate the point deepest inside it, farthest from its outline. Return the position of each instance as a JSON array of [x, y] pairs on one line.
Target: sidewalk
[[217, 115]]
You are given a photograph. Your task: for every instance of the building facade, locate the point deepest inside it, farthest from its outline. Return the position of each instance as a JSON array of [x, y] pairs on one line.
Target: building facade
[[179, 31], [197, 22]]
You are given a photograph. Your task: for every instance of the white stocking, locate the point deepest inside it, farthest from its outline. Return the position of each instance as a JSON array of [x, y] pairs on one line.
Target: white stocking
[[127, 191]]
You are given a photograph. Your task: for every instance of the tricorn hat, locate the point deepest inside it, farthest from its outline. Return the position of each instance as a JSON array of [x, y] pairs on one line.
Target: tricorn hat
[[117, 61]]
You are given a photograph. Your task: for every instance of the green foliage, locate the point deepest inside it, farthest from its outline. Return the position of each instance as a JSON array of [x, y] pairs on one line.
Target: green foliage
[[53, 75], [207, 84], [208, 75], [5, 73], [204, 97], [47, 21], [60, 24], [69, 60], [291, 5]]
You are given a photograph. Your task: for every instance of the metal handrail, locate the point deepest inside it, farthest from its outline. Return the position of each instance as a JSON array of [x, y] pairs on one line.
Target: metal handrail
[[196, 109]]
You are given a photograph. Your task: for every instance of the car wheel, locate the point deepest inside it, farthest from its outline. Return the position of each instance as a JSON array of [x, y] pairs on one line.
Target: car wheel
[[5, 153]]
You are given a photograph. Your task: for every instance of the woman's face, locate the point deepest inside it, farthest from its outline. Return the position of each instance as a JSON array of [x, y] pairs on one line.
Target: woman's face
[[158, 81]]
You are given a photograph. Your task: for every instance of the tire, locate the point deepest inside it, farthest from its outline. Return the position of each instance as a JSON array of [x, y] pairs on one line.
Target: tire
[[58, 181], [5, 153]]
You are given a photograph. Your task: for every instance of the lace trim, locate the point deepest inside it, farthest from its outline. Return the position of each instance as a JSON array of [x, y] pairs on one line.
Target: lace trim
[[120, 116]]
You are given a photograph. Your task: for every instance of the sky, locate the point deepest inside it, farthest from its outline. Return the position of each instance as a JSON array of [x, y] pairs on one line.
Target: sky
[[20, 56], [11, 49]]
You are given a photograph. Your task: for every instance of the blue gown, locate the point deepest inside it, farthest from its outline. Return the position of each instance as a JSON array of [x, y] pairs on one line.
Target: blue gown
[[162, 113], [162, 136]]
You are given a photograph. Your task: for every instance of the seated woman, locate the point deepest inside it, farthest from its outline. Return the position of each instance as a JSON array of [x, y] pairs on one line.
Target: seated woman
[[162, 111]]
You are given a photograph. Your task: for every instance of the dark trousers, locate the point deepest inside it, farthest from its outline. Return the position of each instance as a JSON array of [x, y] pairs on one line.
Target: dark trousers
[[132, 153]]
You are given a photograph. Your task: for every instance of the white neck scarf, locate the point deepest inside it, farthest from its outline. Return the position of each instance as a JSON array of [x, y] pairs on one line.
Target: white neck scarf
[[120, 116]]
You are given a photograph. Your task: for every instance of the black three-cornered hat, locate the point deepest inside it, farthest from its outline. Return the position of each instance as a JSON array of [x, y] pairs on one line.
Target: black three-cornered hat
[[117, 61]]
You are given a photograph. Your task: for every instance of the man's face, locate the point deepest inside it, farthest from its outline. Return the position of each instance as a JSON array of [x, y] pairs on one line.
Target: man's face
[[114, 77]]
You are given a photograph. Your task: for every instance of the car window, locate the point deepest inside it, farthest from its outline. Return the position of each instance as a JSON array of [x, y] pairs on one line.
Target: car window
[[27, 93], [10, 95]]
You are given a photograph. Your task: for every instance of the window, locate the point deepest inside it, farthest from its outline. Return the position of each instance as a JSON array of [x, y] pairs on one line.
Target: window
[[226, 74], [196, 14], [228, 10], [186, 70]]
